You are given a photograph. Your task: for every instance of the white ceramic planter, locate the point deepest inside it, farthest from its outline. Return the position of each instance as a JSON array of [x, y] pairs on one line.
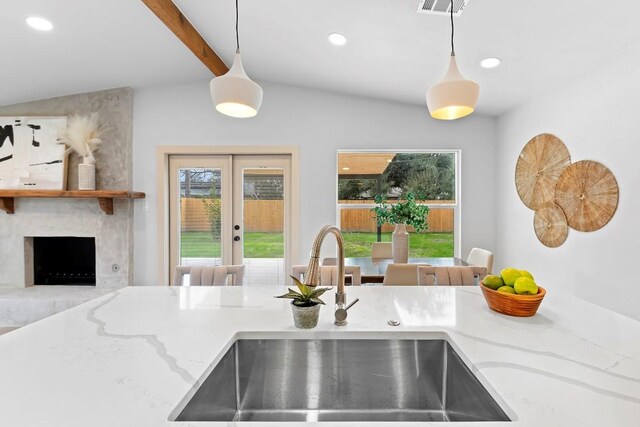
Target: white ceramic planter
[[86, 175], [400, 239]]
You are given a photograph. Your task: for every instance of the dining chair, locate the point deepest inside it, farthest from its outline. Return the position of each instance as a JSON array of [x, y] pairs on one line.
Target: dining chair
[[200, 275], [329, 261], [401, 275], [450, 276], [329, 274], [481, 258], [381, 250]]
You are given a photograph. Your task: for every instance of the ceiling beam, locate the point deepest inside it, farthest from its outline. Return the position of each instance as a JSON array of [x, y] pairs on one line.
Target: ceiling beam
[[169, 13]]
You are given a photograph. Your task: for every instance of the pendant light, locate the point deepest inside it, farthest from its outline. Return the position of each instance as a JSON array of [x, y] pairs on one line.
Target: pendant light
[[234, 93], [454, 96]]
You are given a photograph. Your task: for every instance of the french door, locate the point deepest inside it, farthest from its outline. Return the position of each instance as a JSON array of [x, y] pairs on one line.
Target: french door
[[232, 210]]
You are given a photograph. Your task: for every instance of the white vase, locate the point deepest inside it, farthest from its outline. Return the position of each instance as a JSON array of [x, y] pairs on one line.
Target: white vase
[[86, 175], [400, 239]]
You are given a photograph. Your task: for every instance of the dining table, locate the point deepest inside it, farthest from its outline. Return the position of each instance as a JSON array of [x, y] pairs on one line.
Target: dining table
[[372, 270]]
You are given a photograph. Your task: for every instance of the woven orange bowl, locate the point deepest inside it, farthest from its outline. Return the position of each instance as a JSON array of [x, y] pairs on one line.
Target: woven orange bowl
[[512, 304]]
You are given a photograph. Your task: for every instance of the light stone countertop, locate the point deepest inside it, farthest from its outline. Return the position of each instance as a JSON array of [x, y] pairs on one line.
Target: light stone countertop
[[130, 357]]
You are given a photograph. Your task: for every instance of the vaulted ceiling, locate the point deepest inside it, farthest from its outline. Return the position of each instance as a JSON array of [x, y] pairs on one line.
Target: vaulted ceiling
[[392, 52]]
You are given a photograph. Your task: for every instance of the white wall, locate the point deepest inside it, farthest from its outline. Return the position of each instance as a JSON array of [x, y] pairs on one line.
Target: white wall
[[598, 117], [320, 123]]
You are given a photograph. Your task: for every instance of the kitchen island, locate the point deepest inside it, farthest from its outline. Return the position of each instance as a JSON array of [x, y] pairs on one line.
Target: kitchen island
[[129, 358]]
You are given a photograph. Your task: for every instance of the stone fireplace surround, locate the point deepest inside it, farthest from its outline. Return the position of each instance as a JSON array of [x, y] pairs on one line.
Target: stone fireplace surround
[[76, 217]]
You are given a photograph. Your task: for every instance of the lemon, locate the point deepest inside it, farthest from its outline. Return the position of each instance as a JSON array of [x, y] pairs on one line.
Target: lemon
[[493, 282], [506, 290], [525, 286], [525, 273], [510, 275]]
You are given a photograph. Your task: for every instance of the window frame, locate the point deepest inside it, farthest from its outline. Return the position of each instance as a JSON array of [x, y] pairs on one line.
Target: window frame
[[457, 206]]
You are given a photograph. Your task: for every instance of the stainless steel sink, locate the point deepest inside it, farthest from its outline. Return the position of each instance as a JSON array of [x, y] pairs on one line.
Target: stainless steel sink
[[341, 380]]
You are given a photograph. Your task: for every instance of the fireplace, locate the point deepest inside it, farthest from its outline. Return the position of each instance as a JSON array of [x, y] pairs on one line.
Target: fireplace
[[64, 261]]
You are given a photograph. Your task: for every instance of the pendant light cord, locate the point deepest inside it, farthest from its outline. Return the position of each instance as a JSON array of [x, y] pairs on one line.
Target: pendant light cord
[[453, 51], [237, 33]]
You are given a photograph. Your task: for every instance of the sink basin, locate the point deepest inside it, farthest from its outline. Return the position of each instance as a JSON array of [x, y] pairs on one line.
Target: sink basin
[[341, 380]]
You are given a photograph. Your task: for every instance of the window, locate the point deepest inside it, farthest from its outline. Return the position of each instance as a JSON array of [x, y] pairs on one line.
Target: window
[[432, 176]]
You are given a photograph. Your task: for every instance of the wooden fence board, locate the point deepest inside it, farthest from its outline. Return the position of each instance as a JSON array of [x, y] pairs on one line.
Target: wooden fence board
[[268, 216]]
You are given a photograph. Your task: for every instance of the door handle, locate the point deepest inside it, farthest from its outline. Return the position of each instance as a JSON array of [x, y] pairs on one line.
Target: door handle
[[236, 239]]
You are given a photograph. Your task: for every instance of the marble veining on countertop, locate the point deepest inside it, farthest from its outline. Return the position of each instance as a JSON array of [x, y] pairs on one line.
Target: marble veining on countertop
[[129, 358]]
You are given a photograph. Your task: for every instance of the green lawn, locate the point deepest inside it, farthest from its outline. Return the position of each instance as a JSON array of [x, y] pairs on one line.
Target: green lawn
[[199, 244], [422, 245], [263, 245]]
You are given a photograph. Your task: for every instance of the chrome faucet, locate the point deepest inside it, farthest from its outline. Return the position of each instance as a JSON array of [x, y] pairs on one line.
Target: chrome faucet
[[313, 271]]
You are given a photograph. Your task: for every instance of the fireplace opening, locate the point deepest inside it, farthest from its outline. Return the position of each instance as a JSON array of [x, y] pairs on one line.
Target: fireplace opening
[[64, 261]]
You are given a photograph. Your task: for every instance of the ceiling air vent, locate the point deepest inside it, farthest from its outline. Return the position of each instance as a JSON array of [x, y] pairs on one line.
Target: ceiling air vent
[[442, 7]]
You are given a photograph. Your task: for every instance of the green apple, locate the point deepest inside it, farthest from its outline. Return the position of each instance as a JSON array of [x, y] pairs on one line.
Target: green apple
[[525, 273], [525, 286], [493, 282], [506, 290], [510, 275]]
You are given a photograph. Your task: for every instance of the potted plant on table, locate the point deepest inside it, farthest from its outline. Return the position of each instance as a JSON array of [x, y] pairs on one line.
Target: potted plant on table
[[401, 214], [306, 304]]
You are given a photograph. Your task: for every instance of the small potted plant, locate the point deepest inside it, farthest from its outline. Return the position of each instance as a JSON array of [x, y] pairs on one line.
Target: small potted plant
[[401, 214], [306, 304]]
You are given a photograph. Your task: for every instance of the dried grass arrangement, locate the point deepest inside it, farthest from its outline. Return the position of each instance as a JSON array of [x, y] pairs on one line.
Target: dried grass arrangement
[[83, 135]]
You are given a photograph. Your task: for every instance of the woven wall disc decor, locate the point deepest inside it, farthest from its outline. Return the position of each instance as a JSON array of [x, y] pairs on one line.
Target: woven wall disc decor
[[550, 225], [539, 166], [588, 194]]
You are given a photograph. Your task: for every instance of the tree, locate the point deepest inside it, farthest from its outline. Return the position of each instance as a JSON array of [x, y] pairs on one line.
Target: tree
[[432, 183], [213, 208], [431, 176], [355, 189], [264, 187]]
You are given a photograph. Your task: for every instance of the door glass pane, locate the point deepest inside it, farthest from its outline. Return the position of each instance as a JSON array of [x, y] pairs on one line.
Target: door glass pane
[[200, 216], [263, 226]]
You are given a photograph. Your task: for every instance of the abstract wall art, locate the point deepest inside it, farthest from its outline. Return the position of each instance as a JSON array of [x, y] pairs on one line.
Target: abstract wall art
[[31, 155]]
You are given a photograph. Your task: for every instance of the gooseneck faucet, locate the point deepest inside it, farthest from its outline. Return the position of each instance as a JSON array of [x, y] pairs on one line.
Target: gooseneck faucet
[[313, 271]]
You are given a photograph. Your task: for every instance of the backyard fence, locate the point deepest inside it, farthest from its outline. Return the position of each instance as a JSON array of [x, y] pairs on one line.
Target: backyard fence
[[267, 216], [363, 220]]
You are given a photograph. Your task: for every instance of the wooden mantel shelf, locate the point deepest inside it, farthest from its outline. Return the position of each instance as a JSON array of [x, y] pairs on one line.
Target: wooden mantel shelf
[[105, 197]]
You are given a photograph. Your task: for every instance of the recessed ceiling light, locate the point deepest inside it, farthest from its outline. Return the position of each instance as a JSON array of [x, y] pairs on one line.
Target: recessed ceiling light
[[345, 169], [388, 160], [337, 39], [39, 24], [490, 62]]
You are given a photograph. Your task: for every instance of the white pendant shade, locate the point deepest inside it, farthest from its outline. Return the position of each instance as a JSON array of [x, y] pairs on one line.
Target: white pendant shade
[[454, 96], [234, 93]]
